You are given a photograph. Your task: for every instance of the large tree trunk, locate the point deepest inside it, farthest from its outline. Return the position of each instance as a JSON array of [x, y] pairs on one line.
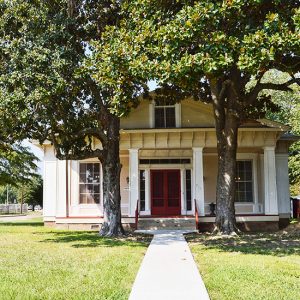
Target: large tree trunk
[[111, 167], [226, 185], [227, 124]]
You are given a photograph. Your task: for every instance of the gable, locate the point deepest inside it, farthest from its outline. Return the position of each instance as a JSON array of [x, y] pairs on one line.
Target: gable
[[193, 114], [196, 114]]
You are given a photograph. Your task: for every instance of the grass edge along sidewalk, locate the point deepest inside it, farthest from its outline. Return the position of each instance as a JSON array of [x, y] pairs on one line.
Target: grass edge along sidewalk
[[253, 266], [41, 263]]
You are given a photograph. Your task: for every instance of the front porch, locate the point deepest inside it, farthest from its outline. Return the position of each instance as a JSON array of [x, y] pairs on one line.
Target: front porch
[[172, 185]]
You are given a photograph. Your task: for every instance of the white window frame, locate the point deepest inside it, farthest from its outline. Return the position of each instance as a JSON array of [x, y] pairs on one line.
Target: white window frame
[[152, 113], [100, 184], [252, 182], [76, 192]]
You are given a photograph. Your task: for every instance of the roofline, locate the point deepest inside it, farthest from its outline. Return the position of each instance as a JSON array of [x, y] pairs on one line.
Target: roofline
[[274, 124]]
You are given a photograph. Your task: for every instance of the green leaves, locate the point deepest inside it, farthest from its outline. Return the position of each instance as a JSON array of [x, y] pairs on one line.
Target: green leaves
[[17, 164]]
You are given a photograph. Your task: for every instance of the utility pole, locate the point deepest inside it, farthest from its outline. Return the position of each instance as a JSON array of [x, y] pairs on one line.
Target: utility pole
[[6, 194]]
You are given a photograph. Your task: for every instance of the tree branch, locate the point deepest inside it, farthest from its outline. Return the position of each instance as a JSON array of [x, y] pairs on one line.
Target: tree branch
[[81, 155], [252, 96]]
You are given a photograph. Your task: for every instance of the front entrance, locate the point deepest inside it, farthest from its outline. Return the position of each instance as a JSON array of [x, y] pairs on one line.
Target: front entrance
[[165, 192]]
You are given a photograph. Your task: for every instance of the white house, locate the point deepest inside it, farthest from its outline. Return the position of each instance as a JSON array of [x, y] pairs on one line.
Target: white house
[[169, 158]]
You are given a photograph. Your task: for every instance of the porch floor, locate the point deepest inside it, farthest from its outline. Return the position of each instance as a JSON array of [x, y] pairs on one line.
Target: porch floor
[[168, 270]]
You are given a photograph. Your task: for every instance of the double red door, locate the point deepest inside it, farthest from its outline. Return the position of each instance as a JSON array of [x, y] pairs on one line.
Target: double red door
[[165, 192]]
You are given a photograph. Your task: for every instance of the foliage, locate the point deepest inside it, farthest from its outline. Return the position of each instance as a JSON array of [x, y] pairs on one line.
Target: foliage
[[59, 82], [31, 192], [17, 164], [48, 86], [289, 113], [219, 52], [12, 197]]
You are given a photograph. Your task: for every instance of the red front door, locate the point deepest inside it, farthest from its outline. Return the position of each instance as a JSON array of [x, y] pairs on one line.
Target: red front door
[[165, 192]]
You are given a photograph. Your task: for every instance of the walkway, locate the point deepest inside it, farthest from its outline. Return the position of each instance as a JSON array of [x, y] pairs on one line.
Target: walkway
[[12, 218], [168, 270]]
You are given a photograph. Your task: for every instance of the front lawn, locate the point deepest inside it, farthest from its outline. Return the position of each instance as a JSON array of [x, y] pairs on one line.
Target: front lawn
[[260, 266], [42, 263]]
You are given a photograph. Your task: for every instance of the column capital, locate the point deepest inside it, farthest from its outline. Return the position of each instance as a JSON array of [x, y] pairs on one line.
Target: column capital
[[197, 149], [134, 150], [269, 148]]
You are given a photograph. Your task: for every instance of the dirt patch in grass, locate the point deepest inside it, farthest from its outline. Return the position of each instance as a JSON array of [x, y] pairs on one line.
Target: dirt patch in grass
[[279, 244], [259, 266], [293, 229]]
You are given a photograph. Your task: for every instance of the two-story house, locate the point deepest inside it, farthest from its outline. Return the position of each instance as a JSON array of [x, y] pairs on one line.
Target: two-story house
[[169, 158]]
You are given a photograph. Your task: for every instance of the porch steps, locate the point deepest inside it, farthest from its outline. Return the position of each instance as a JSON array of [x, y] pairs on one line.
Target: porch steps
[[167, 223]]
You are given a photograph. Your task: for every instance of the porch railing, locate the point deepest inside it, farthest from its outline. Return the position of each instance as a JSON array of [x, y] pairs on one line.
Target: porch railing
[[196, 215], [137, 213]]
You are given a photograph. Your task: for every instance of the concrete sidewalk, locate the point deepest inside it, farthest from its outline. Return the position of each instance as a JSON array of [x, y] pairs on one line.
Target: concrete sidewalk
[[168, 270], [12, 218]]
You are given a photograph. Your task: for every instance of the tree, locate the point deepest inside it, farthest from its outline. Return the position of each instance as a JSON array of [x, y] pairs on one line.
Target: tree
[[7, 194], [289, 113], [50, 87], [17, 164], [31, 192], [219, 52]]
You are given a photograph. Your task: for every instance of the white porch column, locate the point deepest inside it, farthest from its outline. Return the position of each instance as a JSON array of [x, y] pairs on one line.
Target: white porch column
[[271, 203], [133, 180], [198, 185]]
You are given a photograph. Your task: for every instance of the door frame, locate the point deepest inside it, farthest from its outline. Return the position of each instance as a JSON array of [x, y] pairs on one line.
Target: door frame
[[178, 209], [182, 168]]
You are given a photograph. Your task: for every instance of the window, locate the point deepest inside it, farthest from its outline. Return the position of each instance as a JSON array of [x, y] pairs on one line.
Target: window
[[142, 190], [244, 181], [188, 189], [89, 183], [165, 161], [164, 115]]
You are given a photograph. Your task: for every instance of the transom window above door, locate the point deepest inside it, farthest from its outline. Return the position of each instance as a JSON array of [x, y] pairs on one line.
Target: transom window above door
[[89, 183], [164, 114]]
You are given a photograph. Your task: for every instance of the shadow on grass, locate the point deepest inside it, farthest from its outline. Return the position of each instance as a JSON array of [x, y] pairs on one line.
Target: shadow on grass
[[263, 244], [84, 239], [24, 223]]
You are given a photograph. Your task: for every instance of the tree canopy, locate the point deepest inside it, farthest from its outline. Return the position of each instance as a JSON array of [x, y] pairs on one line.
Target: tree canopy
[[69, 69], [17, 164], [59, 82], [219, 52]]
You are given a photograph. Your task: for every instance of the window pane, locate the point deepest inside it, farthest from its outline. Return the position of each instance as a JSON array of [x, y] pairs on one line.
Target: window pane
[[188, 190], [96, 168], [244, 183], [97, 198], [82, 189], [82, 168], [82, 178], [82, 198], [142, 190], [96, 189], [89, 183], [96, 177], [170, 117], [159, 117]]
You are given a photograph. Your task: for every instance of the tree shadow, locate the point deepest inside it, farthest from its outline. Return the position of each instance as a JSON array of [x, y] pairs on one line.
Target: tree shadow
[[259, 243], [86, 239]]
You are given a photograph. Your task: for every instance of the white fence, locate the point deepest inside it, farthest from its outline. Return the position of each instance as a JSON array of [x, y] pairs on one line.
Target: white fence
[[13, 208]]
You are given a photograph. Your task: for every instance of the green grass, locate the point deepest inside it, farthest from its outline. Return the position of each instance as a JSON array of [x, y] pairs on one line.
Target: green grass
[[261, 266], [42, 263]]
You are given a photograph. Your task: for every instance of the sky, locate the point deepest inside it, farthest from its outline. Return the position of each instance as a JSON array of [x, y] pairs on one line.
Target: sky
[[37, 152]]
